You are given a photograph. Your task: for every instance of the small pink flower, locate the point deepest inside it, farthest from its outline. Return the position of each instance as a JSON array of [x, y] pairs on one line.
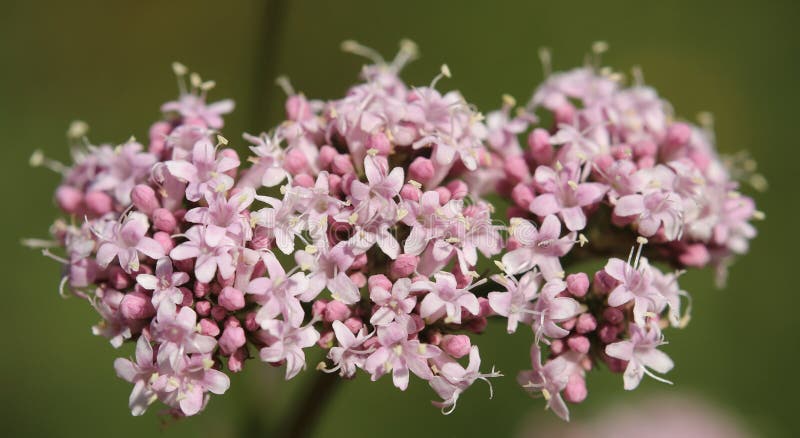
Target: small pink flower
[[287, 343], [641, 353], [125, 241]]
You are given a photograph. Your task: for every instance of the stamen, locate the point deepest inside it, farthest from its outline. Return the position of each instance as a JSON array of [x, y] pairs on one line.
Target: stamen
[[407, 53], [546, 59], [77, 129], [443, 73], [355, 48], [285, 84]]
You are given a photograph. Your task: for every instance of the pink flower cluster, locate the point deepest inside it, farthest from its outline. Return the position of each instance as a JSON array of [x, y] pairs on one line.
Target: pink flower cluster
[[361, 223]]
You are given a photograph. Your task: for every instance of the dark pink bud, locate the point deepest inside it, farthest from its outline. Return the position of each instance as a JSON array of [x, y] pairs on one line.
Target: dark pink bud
[[232, 338], [69, 199], [379, 281], [586, 323], [164, 220], [318, 308], [603, 283], [678, 134], [336, 311], [613, 315], [219, 313], [98, 203], [575, 392], [201, 289], [295, 161], [117, 278], [203, 308], [421, 170], [231, 299], [579, 344], [334, 184], [164, 240], [209, 327], [522, 196], [444, 195], [250, 322], [144, 198], [342, 164], [477, 325], [403, 266], [410, 193], [326, 155], [303, 180], [380, 142], [578, 284], [456, 345], [136, 305], [540, 148], [516, 168], [485, 308], [608, 333], [354, 324], [695, 255], [236, 361], [188, 298], [458, 188]]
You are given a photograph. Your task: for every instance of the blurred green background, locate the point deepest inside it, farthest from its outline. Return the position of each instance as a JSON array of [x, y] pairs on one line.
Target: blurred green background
[[108, 63]]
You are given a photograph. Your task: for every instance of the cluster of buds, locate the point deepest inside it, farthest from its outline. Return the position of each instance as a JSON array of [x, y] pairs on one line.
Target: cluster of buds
[[367, 226]]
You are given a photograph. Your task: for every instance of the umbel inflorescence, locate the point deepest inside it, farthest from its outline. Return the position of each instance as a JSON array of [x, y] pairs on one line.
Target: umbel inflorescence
[[358, 226]]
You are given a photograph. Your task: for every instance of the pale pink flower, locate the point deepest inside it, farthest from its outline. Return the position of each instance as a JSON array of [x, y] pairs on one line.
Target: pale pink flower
[[392, 305], [211, 249], [542, 247], [125, 241], [445, 298], [516, 304], [206, 171], [563, 192], [287, 344], [399, 355], [641, 352], [164, 284], [350, 354]]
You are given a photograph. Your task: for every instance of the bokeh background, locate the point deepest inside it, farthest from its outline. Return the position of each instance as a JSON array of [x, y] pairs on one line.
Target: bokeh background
[[108, 63]]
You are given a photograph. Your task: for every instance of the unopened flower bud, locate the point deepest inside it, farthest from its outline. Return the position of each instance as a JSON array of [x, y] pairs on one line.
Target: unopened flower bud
[[456, 345], [98, 203], [164, 220], [144, 198], [421, 170], [136, 305], [578, 284], [403, 266], [69, 199], [232, 338], [231, 299]]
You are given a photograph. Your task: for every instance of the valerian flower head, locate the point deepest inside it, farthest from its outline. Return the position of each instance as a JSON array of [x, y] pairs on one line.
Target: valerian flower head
[[366, 226]]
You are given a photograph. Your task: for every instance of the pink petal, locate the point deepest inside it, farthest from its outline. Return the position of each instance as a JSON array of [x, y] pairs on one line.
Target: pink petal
[[545, 204]]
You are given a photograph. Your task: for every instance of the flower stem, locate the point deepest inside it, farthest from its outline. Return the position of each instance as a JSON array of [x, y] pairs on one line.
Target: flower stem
[[306, 413]]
